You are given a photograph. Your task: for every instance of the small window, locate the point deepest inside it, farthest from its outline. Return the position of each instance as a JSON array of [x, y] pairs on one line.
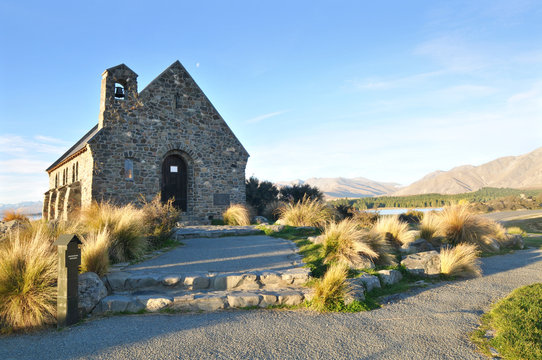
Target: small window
[[173, 169], [73, 173], [56, 180], [128, 169], [77, 171], [178, 101]]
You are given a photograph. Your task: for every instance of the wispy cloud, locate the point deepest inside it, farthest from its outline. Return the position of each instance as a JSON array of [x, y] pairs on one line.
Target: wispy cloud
[[389, 83], [17, 145], [259, 118]]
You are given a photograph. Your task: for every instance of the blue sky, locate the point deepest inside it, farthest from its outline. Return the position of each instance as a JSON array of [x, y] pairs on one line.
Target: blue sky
[[387, 90]]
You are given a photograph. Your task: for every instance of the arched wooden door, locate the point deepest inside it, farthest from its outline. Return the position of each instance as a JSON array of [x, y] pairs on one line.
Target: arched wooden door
[[174, 181]]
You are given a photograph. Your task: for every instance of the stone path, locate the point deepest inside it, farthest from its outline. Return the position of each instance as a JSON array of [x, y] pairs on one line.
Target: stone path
[[207, 274], [427, 323]]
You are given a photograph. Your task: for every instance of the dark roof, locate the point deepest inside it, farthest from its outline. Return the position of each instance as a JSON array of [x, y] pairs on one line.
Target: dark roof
[[75, 148]]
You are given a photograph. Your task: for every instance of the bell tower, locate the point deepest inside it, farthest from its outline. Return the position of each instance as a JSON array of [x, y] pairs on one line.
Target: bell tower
[[118, 93]]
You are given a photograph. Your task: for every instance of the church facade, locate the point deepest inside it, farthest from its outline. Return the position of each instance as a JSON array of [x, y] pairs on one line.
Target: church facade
[[168, 138]]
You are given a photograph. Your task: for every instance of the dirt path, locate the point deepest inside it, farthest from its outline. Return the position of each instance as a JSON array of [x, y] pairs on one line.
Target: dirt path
[[430, 323]]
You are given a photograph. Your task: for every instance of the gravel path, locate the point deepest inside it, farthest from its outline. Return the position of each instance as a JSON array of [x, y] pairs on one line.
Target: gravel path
[[513, 215], [430, 323], [223, 255]]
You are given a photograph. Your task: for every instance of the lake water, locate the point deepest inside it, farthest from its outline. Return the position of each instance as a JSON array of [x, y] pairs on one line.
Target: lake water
[[398, 211]]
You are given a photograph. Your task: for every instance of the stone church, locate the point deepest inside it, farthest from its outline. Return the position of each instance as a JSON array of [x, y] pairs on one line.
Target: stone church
[[167, 138]]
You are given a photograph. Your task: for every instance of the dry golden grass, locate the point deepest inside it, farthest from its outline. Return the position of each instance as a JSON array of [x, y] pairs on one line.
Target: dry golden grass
[[515, 230], [394, 230], [381, 246], [95, 252], [160, 219], [459, 225], [330, 291], [236, 214], [429, 227], [272, 210], [27, 282], [306, 212], [461, 260], [125, 224], [10, 215], [343, 243]]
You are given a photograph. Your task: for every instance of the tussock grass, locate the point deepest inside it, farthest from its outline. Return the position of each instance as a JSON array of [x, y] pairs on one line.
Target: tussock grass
[[160, 220], [27, 282], [429, 227], [272, 210], [378, 242], [330, 291], [307, 212], [10, 215], [394, 230], [514, 230], [343, 242], [95, 252], [125, 224], [459, 225], [461, 260], [236, 214]]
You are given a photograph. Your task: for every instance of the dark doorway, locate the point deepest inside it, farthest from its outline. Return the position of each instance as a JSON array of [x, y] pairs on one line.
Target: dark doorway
[[174, 181]]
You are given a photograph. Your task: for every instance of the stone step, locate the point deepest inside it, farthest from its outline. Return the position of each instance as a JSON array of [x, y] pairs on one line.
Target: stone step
[[203, 231], [125, 281], [200, 301]]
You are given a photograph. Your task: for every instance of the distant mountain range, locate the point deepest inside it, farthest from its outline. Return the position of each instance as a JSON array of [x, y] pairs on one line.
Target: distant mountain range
[[517, 172], [26, 207]]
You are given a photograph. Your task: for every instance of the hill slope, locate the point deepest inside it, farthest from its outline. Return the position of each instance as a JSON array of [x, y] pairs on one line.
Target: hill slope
[[524, 171], [334, 188]]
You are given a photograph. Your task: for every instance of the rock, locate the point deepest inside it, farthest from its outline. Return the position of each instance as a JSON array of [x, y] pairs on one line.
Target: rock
[[316, 239], [118, 303], [280, 222], [170, 280], [290, 298], [154, 303], [270, 279], [209, 303], [141, 282], [514, 241], [261, 220], [425, 263], [116, 281], [390, 277], [7, 227], [296, 276], [197, 282], [363, 263], [369, 281], [229, 282], [91, 291], [243, 300], [275, 228], [418, 245], [268, 300], [357, 291]]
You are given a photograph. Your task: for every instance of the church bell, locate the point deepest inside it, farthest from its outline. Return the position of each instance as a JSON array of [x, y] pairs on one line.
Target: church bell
[[119, 92]]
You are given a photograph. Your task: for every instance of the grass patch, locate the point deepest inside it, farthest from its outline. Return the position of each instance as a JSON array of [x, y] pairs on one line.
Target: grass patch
[[517, 325], [236, 214]]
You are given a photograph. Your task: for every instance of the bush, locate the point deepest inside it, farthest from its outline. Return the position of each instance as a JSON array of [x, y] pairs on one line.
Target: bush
[[459, 225], [160, 220], [395, 231], [296, 193], [27, 282], [461, 260], [260, 194], [429, 228], [10, 215], [236, 214], [330, 291], [307, 212], [272, 210], [125, 224], [343, 243], [514, 230], [412, 216], [95, 252], [381, 246], [365, 219], [343, 210]]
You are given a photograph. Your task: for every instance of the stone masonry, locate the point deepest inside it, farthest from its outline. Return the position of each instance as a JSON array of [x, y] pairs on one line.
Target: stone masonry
[[122, 158]]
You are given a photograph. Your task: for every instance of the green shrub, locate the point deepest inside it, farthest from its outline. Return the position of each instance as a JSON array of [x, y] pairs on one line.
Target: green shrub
[[331, 290], [260, 193], [307, 212], [297, 193], [28, 275], [236, 214], [272, 210], [160, 220], [412, 216]]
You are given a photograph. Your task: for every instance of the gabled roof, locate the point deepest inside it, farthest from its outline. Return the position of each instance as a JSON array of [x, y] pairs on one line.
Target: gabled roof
[[75, 149]]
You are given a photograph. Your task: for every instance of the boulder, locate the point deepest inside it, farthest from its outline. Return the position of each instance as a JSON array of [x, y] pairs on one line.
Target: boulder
[[118, 303], [275, 228], [261, 220], [363, 263], [390, 277], [243, 300], [316, 239], [154, 303], [369, 281], [357, 291], [91, 291], [418, 245], [514, 241], [426, 263]]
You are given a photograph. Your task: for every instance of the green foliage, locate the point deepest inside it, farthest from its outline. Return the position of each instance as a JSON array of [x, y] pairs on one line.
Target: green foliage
[[490, 199], [260, 193], [516, 320], [296, 193]]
